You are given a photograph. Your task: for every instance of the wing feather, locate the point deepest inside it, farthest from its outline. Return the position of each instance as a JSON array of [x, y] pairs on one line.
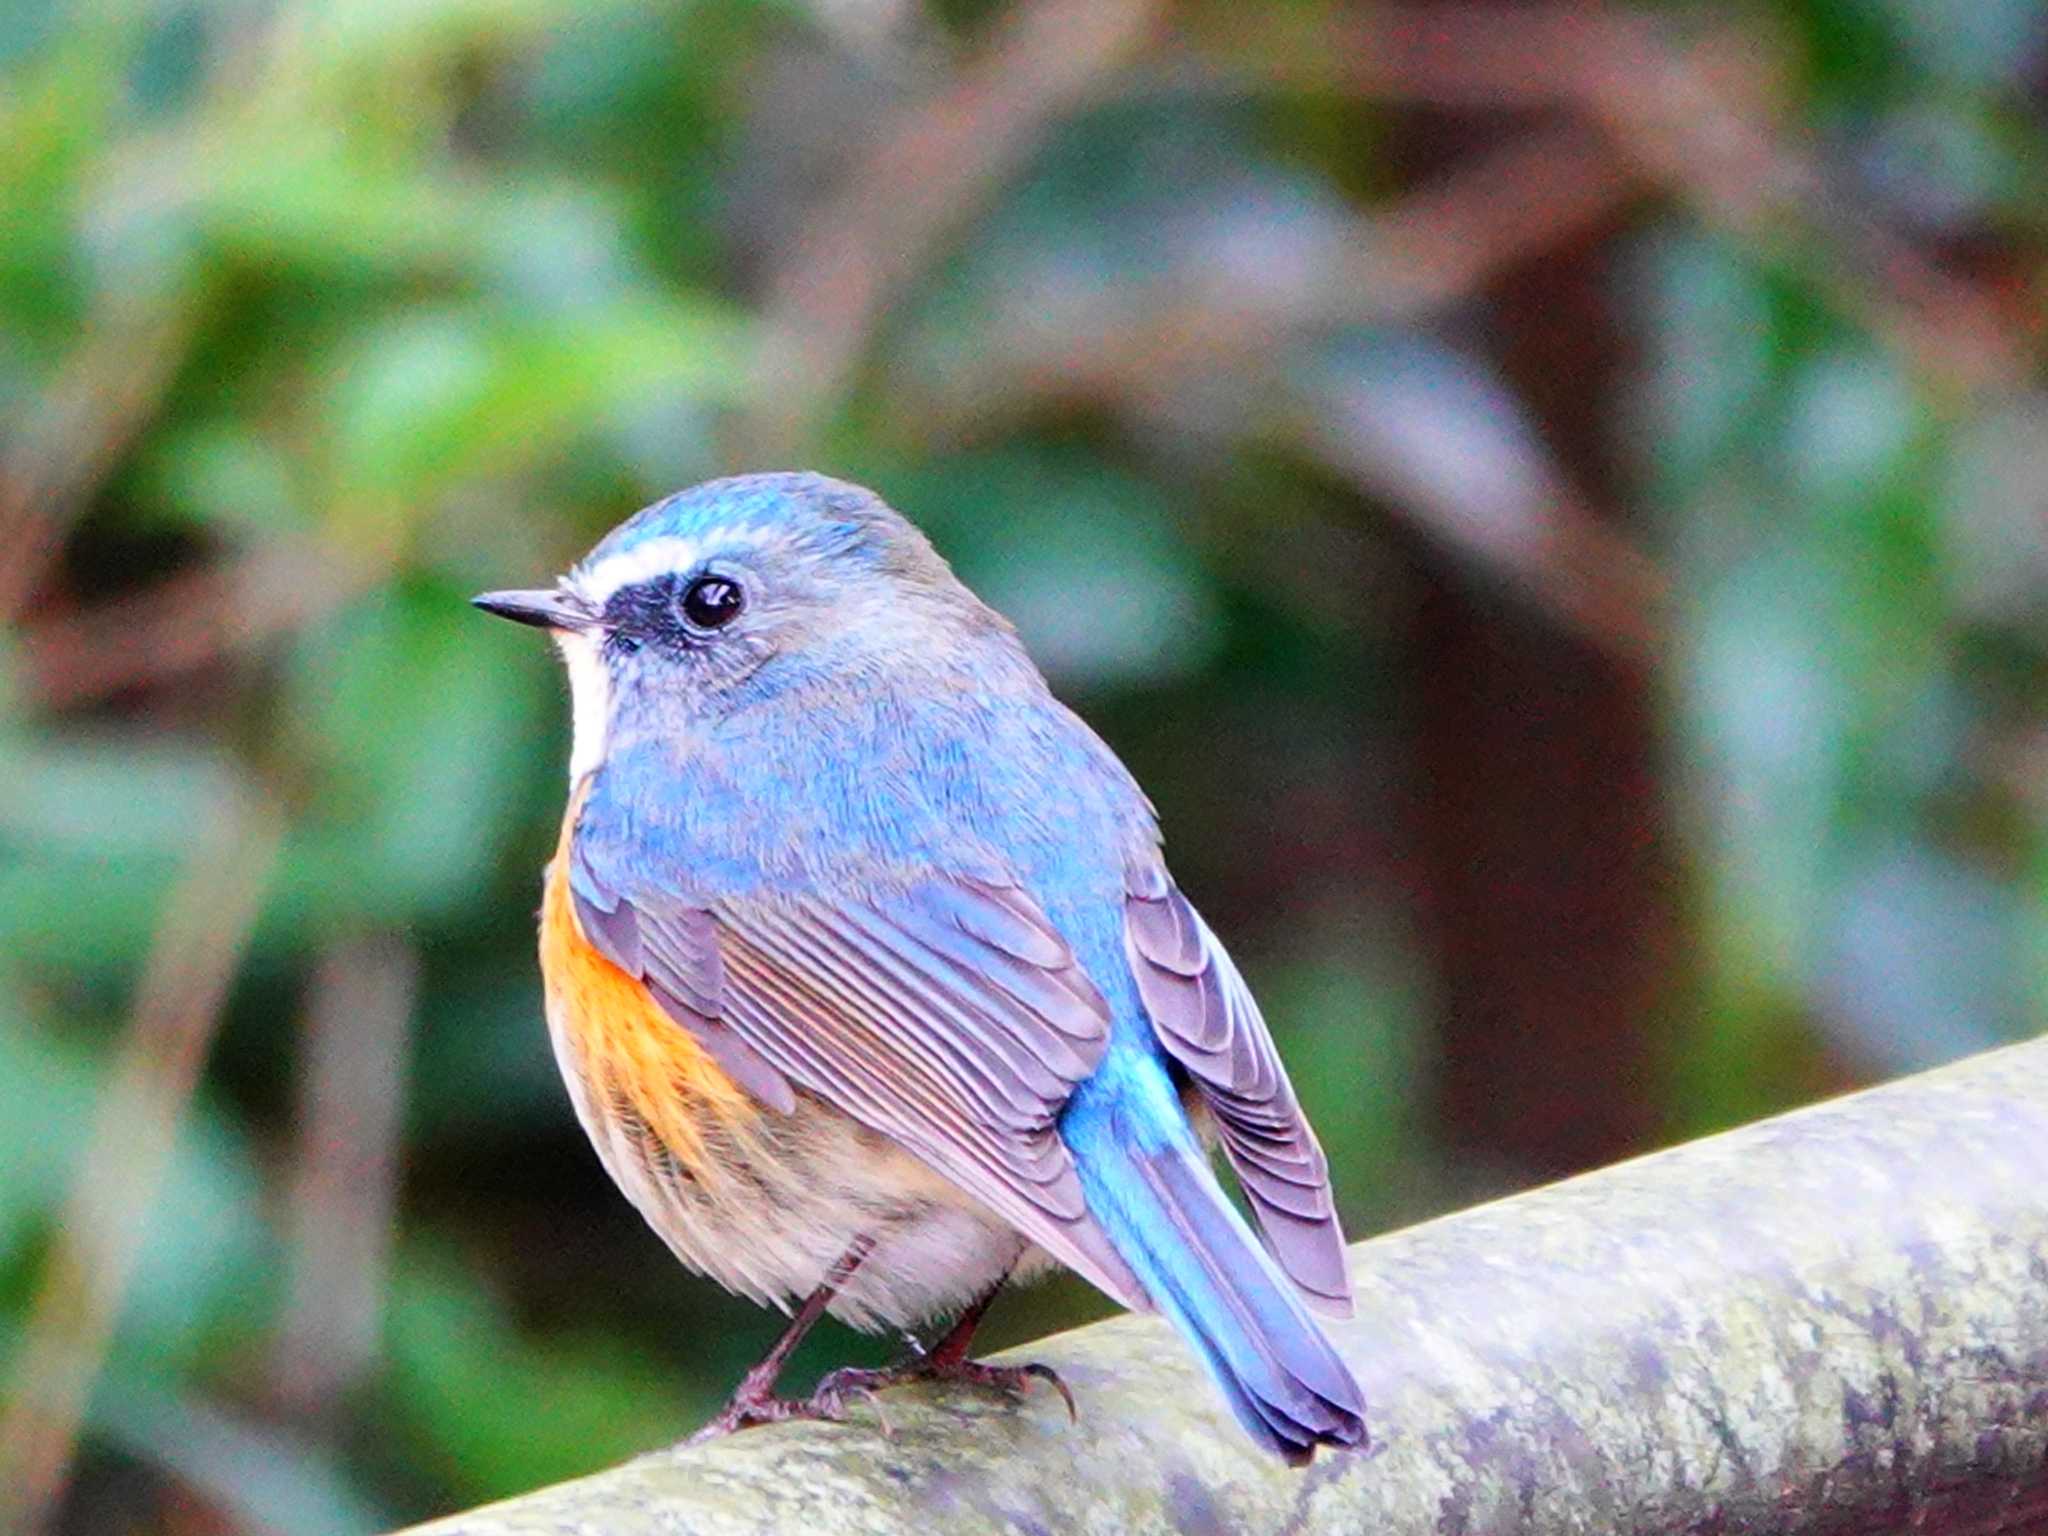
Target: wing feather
[[951, 1017], [1204, 1015]]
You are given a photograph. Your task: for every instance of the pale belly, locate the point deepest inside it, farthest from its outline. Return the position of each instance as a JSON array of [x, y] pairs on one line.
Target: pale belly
[[765, 1203]]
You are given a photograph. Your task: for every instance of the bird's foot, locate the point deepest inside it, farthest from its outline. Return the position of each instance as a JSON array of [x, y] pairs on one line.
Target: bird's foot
[[849, 1381]]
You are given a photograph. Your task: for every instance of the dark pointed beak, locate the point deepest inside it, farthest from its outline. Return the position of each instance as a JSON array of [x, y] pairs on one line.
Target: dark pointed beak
[[551, 608]]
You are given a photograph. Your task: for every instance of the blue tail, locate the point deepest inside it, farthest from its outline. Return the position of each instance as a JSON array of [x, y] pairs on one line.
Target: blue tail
[[1158, 1200]]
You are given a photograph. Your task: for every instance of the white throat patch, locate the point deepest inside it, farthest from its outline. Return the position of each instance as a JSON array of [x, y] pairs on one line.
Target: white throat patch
[[590, 700]]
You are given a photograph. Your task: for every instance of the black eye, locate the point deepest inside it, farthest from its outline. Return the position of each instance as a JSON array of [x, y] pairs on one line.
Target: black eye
[[711, 602]]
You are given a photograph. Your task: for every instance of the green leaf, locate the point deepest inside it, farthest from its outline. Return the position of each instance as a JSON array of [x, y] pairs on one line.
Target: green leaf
[[1708, 311], [1765, 712], [440, 396], [225, 473], [1095, 570], [1851, 422], [93, 826], [206, 1257], [417, 730], [497, 1411]]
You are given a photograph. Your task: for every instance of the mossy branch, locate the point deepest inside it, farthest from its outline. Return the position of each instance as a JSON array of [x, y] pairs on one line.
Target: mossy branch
[[1836, 1320]]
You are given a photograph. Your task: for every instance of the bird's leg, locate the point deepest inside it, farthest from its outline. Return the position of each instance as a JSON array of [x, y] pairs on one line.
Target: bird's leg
[[754, 1400], [947, 1360], [952, 1349]]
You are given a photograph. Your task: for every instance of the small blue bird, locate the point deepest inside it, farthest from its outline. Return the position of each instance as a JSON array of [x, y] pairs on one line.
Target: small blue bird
[[868, 980]]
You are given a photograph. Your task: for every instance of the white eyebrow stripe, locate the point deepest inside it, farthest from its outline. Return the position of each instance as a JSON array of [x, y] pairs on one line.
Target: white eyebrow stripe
[[643, 562]]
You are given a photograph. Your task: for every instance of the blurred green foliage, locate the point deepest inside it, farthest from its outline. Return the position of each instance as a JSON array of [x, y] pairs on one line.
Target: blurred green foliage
[[315, 319]]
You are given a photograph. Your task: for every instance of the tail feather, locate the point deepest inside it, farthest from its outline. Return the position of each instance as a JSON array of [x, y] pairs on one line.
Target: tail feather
[[1283, 1379]]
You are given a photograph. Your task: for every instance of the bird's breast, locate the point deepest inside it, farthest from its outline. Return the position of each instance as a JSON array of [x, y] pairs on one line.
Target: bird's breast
[[637, 1076], [760, 1201]]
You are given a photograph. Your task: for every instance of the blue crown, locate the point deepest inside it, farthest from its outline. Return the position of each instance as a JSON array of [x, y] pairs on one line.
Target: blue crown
[[818, 510]]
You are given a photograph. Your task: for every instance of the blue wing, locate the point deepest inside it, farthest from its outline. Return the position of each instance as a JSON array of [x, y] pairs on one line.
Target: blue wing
[[950, 1016]]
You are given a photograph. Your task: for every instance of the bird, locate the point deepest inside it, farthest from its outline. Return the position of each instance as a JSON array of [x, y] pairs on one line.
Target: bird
[[868, 980]]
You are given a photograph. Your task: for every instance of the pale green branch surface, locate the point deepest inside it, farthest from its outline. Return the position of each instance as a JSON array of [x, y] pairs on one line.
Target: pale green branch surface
[[1836, 1320]]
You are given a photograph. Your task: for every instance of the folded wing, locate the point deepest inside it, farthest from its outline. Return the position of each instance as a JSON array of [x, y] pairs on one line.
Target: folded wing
[[1205, 1017], [949, 1016]]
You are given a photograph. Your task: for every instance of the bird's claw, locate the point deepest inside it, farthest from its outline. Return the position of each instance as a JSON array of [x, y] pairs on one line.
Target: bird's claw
[[835, 1388], [1051, 1377]]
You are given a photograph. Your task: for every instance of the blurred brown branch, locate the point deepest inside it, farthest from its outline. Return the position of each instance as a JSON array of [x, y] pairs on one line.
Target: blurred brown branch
[[191, 620], [1438, 245], [102, 396], [1441, 244], [932, 170], [1644, 114], [198, 948], [351, 1103], [1694, 119], [1588, 576]]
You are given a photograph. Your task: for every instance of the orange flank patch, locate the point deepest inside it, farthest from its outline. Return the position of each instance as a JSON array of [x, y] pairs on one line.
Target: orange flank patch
[[633, 1056]]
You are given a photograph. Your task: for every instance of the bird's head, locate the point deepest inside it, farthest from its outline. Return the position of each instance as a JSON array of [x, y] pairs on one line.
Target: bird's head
[[738, 591]]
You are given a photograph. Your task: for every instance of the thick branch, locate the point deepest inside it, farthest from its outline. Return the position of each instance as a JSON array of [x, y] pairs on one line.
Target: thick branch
[[1832, 1321]]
